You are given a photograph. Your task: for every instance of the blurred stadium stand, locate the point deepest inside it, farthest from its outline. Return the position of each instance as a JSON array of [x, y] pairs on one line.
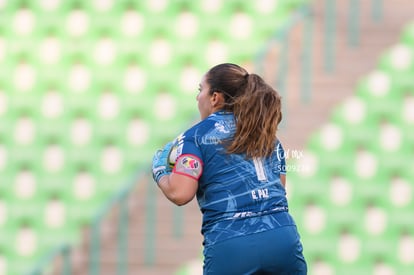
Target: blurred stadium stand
[[89, 90]]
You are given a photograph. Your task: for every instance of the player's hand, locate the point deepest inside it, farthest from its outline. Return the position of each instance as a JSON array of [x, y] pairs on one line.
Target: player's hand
[[160, 166]]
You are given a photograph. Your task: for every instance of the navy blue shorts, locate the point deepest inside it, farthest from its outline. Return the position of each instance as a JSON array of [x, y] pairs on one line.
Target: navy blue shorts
[[278, 251]]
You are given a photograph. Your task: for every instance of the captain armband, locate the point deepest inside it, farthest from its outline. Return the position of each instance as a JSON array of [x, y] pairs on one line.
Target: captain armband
[[189, 165]]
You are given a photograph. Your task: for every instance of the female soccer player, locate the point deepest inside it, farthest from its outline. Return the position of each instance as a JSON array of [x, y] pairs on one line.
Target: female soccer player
[[234, 163]]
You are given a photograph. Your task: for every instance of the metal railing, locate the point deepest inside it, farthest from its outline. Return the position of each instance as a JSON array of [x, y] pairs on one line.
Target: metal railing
[[59, 260]]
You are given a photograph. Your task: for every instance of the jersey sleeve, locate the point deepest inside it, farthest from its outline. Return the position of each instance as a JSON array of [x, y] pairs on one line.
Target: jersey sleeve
[[189, 160]]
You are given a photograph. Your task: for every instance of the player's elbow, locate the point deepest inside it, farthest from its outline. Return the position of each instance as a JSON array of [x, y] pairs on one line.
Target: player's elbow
[[182, 189], [179, 189], [180, 200], [180, 203]]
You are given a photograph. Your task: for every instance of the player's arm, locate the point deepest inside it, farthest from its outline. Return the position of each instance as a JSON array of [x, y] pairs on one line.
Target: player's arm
[[181, 185], [283, 179], [180, 182], [179, 189], [282, 171]]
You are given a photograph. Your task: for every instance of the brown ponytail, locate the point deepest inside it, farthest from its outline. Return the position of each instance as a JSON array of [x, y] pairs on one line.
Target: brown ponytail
[[256, 107]]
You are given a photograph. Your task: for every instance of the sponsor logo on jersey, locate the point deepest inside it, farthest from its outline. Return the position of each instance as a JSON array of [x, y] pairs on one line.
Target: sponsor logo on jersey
[[221, 128]]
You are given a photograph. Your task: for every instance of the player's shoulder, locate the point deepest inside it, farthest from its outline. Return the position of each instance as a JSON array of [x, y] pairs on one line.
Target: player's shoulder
[[202, 126]]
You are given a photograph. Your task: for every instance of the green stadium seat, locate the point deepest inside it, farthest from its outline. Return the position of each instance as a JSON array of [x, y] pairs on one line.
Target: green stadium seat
[[340, 217], [398, 59], [133, 75], [84, 195], [307, 186], [385, 266], [349, 246], [25, 247], [107, 115], [382, 92], [4, 152], [313, 218], [317, 250], [139, 140], [320, 148], [378, 84], [405, 242], [399, 62], [320, 263], [5, 221], [23, 191], [186, 25], [54, 219], [111, 158], [406, 118], [53, 112], [363, 134], [81, 131], [188, 72], [141, 156], [394, 161], [401, 191], [23, 18], [381, 248], [341, 188]]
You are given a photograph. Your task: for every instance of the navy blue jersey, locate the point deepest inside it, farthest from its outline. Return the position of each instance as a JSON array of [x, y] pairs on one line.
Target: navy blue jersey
[[237, 196]]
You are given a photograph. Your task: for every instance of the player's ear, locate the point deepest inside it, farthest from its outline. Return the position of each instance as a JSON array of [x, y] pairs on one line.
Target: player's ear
[[216, 99]]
